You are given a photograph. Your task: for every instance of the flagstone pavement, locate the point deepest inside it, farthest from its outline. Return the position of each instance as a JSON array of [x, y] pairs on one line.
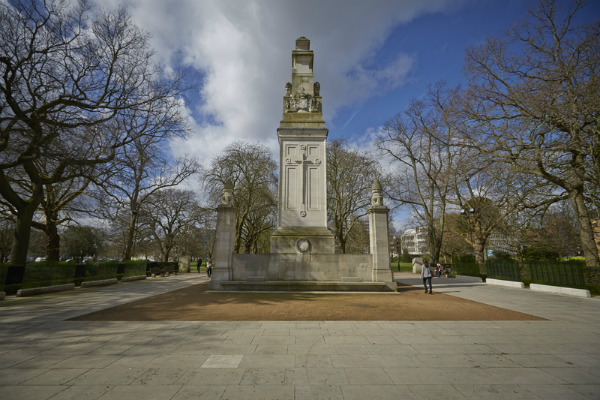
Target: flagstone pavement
[[43, 356]]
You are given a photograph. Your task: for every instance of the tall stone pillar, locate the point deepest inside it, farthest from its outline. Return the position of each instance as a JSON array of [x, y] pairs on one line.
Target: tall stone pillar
[[225, 239], [379, 235], [302, 223]]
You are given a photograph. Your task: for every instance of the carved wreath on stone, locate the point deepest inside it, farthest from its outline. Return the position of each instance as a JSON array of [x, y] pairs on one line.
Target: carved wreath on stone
[[302, 245], [303, 103]]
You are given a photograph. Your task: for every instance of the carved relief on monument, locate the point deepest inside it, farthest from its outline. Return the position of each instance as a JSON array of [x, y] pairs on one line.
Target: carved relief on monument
[[303, 245], [317, 89], [303, 103], [302, 172], [304, 87]]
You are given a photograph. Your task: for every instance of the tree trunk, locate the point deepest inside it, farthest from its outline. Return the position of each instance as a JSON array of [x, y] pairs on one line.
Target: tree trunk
[[479, 247], [435, 245], [130, 234], [590, 251], [20, 246], [52, 240], [342, 243]]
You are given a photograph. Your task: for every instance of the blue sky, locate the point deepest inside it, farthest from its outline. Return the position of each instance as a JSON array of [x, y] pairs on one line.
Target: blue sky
[[437, 42], [371, 58]]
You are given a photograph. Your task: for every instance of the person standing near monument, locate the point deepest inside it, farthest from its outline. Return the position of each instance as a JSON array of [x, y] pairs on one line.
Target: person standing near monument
[[198, 263], [426, 275], [209, 267]]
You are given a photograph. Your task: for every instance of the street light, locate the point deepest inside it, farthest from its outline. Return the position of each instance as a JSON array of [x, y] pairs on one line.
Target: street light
[[398, 251]]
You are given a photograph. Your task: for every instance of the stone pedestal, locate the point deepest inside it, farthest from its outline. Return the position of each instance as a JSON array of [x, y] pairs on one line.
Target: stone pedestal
[[184, 264], [379, 236], [305, 240], [224, 241], [417, 264]]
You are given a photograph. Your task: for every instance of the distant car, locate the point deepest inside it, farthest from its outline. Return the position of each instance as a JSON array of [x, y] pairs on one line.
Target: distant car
[[40, 259]]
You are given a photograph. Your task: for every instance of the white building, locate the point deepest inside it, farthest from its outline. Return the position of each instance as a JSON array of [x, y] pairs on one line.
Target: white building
[[415, 240]]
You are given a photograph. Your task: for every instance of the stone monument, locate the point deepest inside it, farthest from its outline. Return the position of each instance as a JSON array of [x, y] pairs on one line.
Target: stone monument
[[302, 223], [302, 248]]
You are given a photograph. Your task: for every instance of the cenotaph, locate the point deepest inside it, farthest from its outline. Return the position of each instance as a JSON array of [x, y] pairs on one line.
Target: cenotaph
[[302, 254], [302, 223]]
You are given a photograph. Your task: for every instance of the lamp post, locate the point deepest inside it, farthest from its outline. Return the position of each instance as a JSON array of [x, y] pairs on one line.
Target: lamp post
[[398, 251]]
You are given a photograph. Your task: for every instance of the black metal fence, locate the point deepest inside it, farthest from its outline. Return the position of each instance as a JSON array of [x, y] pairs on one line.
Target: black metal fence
[[503, 270], [466, 267], [556, 273]]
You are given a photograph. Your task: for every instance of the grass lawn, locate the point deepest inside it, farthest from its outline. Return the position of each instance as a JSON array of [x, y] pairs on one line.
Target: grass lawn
[[404, 267]]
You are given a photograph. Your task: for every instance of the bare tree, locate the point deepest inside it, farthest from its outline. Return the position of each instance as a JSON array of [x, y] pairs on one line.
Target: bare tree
[[167, 214], [350, 176], [142, 167], [61, 202], [82, 241], [251, 168], [488, 192], [358, 241], [420, 143], [64, 79], [6, 234], [534, 103], [456, 237]]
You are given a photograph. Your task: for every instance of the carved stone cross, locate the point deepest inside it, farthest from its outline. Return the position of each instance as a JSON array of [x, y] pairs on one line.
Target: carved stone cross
[[304, 160]]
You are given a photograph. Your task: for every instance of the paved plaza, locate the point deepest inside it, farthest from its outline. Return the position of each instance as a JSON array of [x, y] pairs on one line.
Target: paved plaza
[[44, 356]]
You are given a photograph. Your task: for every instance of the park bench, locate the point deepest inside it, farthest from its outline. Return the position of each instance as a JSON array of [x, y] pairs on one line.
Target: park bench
[[447, 275], [171, 268]]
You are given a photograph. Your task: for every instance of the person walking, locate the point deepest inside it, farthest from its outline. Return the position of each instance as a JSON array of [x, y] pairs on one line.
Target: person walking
[[209, 267], [198, 263], [426, 275]]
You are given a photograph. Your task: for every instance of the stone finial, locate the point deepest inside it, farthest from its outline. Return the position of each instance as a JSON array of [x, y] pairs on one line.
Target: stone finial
[[288, 89], [227, 192], [377, 199], [317, 88], [302, 43]]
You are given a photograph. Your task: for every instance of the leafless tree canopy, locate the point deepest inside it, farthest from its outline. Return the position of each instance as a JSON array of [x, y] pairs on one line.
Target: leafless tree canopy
[[168, 213], [420, 141], [534, 102], [68, 81], [251, 169], [350, 176]]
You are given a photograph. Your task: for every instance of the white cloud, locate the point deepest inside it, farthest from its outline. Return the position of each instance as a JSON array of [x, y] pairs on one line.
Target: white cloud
[[243, 49]]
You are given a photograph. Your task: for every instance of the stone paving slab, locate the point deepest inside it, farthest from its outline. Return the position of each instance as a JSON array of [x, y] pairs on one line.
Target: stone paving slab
[[43, 356]]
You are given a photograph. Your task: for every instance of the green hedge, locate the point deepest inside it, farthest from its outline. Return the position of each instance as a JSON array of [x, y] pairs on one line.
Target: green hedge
[[468, 268], [594, 289], [134, 268], [503, 270], [100, 270], [3, 271], [558, 273], [48, 273]]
